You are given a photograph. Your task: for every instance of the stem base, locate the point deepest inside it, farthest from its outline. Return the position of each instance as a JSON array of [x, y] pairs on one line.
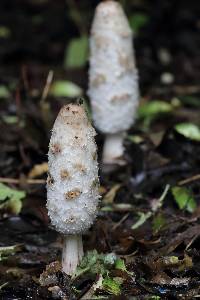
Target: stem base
[[113, 149], [72, 253]]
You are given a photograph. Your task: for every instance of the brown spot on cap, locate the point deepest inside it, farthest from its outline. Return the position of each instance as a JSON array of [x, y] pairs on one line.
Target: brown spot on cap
[[50, 180], [126, 33], [94, 156], [126, 62], [73, 115], [64, 174], [70, 220], [101, 42], [55, 148], [79, 167], [74, 112], [99, 79], [120, 98], [71, 195]]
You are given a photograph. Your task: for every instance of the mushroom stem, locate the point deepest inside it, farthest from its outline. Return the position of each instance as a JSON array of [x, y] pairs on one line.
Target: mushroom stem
[[113, 149], [72, 253]]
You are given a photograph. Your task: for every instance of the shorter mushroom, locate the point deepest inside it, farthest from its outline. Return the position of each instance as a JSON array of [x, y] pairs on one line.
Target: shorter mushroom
[[113, 78], [72, 184]]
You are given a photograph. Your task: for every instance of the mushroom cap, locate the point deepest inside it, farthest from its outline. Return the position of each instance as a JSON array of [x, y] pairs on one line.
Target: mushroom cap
[[113, 77], [109, 15], [72, 184]]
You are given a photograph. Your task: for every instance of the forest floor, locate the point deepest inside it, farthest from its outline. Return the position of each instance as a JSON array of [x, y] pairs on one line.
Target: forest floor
[[145, 243]]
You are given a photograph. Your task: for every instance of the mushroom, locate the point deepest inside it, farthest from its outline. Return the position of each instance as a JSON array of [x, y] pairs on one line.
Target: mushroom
[[113, 78], [72, 183]]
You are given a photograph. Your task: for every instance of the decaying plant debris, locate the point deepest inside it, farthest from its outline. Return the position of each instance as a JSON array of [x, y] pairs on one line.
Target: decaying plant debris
[[145, 242]]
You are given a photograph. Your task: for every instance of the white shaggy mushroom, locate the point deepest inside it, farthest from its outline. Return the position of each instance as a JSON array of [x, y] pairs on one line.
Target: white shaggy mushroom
[[113, 77], [72, 184]]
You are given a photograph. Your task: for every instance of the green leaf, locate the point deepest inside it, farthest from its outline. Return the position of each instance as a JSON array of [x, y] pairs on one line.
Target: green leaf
[[189, 130], [184, 198], [135, 139], [120, 265], [158, 222], [11, 199], [90, 264], [103, 265], [96, 263], [107, 208], [137, 21], [14, 206], [109, 259], [7, 251], [172, 260], [64, 88], [4, 92], [77, 53], [153, 108], [191, 205], [142, 219], [185, 263], [7, 192], [10, 119], [111, 286], [5, 32]]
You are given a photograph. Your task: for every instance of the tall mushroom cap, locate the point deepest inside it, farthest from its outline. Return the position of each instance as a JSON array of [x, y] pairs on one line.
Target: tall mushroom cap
[[113, 77], [72, 184]]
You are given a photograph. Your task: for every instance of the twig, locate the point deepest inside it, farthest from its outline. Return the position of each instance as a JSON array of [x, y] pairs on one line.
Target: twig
[[96, 285], [3, 285], [19, 181], [179, 90], [47, 86], [161, 199], [25, 79], [163, 170], [183, 90], [121, 221], [189, 180]]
